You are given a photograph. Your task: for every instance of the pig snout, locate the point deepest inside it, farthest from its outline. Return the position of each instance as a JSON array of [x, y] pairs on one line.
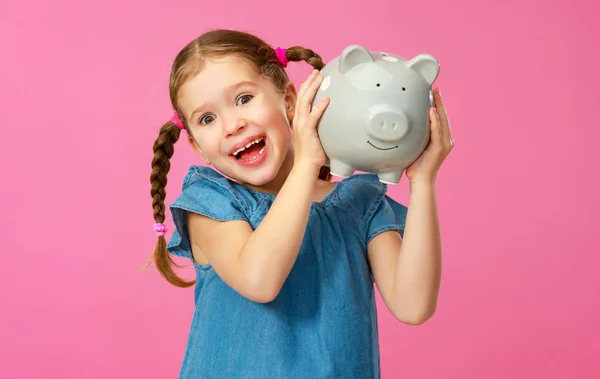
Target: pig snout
[[387, 124]]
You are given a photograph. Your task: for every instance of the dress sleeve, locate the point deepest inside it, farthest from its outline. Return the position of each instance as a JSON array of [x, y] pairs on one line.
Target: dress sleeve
[[209, 196], [385, 214]]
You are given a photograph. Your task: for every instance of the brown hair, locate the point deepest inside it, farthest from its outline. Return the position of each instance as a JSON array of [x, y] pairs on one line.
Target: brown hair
[[187, 64]]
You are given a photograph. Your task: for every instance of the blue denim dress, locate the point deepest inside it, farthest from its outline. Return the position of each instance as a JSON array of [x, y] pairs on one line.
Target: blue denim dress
[[323, 324]]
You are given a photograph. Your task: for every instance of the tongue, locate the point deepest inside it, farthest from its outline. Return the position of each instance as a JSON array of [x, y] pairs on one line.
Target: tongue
[[250, 152]]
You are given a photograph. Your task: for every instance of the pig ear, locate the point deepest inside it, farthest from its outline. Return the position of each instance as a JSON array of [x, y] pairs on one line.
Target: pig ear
[[425, 65], [352, 56]]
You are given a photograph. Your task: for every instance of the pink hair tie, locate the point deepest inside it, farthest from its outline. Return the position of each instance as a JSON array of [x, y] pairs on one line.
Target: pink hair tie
[[160, 229], [281, 56], [177, 121]]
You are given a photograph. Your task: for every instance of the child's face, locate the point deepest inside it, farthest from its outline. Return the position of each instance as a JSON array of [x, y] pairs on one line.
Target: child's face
[[229, 106]]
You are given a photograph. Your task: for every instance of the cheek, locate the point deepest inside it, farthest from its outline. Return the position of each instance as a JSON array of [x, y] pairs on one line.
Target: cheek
[[271, 110], [208, 142], [277, 119]]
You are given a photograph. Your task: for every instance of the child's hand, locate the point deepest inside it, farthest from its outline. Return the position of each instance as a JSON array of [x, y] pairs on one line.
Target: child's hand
[[307, 143], [425, 168]]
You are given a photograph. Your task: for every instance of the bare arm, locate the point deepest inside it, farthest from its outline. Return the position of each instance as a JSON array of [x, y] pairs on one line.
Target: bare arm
[[408, 271], [256, 263]]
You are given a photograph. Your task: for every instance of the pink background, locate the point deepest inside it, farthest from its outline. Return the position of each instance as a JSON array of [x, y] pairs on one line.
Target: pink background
[[84, 90]]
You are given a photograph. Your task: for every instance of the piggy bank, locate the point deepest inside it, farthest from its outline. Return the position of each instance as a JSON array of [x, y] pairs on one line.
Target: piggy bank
[[377, 120]]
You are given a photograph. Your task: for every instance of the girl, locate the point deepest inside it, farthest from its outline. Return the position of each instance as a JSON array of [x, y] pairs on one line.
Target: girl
[[285, 259]]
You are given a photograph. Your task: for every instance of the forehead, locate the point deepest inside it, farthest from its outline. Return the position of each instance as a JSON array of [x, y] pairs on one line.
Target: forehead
[[214, 78]]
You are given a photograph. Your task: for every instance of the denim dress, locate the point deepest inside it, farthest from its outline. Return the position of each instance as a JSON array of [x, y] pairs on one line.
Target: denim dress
[[323, 323]]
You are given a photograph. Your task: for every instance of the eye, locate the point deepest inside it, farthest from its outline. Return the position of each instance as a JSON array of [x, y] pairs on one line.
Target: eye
[[206, 119], [244, 99], [378, 84], [403, 89]]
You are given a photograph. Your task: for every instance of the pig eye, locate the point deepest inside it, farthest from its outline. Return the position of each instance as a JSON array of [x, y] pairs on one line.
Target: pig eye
[[403, 89], [378, 84]]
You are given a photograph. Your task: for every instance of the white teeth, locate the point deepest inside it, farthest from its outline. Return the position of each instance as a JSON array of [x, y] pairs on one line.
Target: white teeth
[[247, 146]]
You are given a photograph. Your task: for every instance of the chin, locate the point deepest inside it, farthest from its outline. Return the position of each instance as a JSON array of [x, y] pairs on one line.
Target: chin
[[256, 178], [259, 180]]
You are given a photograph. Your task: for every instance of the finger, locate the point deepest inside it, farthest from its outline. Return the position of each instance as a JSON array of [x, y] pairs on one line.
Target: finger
[[311, 87], [318, 110], [309, 95], [307, 83], [307, 80], [443, 116], [435, 126], [301, 93], [439, 102]]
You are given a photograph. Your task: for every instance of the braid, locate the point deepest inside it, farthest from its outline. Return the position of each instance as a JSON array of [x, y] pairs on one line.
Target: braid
[[299, 53], [163, 151]]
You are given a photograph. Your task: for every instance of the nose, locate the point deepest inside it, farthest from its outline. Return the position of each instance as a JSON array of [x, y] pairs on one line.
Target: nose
[[234, 126], [387, 124]]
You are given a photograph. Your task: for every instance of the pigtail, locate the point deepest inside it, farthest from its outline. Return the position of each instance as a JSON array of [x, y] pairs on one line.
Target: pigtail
[[163, 151], [325, 173], [299, 53]]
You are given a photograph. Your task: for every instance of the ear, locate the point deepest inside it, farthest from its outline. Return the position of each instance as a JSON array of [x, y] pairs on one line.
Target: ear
[[290, 98], [426, 65], [352, 56], [197, 148]]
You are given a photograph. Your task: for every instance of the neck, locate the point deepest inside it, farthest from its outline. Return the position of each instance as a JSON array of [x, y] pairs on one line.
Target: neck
[[274, 186]]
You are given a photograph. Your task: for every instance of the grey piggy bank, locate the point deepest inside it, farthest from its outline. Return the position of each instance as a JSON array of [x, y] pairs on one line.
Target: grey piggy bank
[[377, 120]]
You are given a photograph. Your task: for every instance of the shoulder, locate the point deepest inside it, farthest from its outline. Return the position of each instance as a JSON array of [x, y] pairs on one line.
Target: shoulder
[[362, 192], [204, 188], [206, 192], [368, 197], [367, 181], [199, 177]]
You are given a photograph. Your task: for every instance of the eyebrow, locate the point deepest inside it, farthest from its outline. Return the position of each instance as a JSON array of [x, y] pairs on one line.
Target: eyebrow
[[227, 90]]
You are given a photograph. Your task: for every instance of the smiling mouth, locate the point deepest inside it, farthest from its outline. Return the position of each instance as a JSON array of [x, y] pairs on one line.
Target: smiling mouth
[[380, 148], [251, 151]]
